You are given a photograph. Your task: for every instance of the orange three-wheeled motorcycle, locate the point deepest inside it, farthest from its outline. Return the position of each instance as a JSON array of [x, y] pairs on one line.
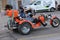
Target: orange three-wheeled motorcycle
[[24, 26]]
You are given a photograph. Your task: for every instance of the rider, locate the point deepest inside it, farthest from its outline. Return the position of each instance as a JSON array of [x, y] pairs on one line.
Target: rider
[[29, 15], [31, 18]]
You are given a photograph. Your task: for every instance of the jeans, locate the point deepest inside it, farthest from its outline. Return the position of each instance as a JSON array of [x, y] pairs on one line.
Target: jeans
[[9, 21]]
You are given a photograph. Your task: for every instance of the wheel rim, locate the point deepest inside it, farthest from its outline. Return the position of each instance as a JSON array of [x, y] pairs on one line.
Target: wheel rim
[[25, 29], [55, 22]]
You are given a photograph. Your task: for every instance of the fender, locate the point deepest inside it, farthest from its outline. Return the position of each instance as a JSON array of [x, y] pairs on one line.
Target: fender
[[22, 21], [32, 25], [53, 17], [51, 20]]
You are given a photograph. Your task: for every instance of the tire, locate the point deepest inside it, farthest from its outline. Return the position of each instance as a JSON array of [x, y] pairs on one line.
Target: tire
[[25, 28], [56, 21], [52, 9]]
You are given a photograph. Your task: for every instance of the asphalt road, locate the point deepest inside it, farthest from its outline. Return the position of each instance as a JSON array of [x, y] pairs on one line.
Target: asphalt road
[[46, 33]]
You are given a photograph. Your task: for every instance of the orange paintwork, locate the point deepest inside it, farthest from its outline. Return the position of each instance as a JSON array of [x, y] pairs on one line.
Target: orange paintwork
[[37, 25], [41, 18], [33, 25], [9, 13], [53, 17], [17, 20]]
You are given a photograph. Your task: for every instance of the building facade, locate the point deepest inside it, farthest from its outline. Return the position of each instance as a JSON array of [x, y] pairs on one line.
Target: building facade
[[2, 4], [17, 3], [14, 3]]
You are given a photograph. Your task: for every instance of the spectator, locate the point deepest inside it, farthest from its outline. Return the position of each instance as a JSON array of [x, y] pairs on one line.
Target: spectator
[[10, 13]]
